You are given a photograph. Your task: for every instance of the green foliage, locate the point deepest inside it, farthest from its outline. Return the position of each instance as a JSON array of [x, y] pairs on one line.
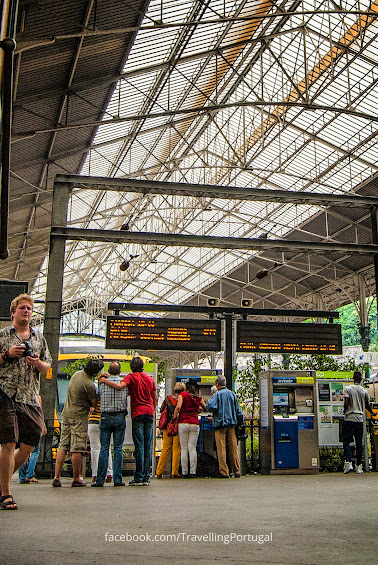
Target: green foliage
[[349, 324], [161, 367], [71, 368], [324, 363], [331, 459], [248, 379]]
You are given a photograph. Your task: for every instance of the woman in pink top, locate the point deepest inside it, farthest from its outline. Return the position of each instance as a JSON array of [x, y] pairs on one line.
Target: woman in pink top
[[188, 404]]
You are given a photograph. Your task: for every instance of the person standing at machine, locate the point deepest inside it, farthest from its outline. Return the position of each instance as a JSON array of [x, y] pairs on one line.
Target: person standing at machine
[[171, 445], [188, 404], [225, 408], [356, 400], [24, 356]]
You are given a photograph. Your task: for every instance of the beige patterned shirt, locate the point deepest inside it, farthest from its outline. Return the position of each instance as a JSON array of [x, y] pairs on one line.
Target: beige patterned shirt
[[17, 379]]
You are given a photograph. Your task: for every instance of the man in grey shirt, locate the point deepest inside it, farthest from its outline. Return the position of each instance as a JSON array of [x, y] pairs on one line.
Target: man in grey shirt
[[356, 400], [112, 422]]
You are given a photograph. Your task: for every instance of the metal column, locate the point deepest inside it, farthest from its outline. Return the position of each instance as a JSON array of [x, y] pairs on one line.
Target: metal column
[[228, 350], [374, 228], [54, 292]]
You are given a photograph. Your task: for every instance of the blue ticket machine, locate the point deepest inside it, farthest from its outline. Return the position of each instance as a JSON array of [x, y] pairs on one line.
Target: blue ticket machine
[[286, 448], [288, 423]]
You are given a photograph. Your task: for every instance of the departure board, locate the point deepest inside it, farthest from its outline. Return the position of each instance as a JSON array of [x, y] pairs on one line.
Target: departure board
[[281, 337], [162, 334]]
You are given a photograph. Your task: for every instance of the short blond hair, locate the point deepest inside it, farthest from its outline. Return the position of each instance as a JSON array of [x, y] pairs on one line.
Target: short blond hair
[[20, 298], [179, 387]]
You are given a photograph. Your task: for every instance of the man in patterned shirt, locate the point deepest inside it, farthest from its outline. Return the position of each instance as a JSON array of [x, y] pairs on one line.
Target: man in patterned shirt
[[21, 417]]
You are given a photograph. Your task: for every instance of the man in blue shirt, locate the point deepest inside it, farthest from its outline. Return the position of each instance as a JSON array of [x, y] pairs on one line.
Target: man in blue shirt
[[225, 408]]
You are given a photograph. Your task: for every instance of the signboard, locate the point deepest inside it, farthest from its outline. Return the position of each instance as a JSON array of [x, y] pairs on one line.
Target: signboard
[[8, 291], [281, 337], [162, 334], [344, 375]]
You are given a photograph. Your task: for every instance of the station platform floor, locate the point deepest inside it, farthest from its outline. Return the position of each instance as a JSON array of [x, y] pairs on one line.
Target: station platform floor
[[301, 520]]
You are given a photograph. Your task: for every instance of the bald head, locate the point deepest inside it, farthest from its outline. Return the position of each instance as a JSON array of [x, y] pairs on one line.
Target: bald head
[[114, 368]]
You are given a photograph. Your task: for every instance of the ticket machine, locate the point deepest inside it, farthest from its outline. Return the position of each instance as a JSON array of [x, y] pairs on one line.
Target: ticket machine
[[288, 423]]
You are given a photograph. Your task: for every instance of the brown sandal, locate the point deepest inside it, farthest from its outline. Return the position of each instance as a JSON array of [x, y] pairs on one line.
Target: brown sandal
[[7, 502]]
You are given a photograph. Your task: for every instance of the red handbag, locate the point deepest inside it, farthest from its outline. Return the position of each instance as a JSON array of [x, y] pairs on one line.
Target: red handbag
[[172, 428], [163, 419]]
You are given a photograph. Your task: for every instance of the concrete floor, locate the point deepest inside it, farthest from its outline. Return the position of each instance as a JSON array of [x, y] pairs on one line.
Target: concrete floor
[[304, 520]]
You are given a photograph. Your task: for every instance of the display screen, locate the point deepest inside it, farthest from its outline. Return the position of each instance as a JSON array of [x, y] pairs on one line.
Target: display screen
[[162, 334], [280, 399], [8, 291], [281, 337]]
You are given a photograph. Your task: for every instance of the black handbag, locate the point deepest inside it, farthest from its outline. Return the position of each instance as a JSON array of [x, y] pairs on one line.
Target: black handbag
[[240, 428]]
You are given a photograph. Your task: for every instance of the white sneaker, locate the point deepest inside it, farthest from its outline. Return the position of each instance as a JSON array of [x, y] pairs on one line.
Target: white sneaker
[[359, 469], [348, 467]]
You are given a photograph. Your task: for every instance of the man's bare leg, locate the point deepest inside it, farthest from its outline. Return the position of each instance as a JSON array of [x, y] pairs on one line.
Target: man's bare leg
[[60, 459], [6, 470], [76, 459], [21, 455]]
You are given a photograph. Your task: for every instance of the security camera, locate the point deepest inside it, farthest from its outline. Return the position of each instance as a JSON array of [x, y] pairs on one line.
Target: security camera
[[247, 302], [213, 302]]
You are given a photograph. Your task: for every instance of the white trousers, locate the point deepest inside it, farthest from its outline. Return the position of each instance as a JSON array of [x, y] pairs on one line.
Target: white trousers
[[94, 440], [188, 434]]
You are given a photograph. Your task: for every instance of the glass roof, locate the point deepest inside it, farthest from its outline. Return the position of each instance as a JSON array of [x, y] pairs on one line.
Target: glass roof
[[237, 94]]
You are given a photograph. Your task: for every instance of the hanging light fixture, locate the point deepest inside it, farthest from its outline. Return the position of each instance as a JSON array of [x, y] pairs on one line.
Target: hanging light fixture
[[126, 263], [262, 273]]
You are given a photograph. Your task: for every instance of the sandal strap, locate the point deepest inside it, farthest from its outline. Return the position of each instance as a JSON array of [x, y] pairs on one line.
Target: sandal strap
[[7, 500]]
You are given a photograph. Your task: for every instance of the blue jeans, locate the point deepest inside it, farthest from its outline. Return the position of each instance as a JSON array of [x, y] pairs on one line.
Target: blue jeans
[[111, 423], [142, 429], [28, 468]]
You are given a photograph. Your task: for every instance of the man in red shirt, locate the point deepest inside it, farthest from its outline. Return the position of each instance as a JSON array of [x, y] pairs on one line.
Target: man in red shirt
[[143, 398]]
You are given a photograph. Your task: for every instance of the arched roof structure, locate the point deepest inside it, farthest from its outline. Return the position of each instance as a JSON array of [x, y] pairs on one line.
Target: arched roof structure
[[252, 94]]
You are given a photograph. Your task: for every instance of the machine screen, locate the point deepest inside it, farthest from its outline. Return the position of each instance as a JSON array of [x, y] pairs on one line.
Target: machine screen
[[280, 399]]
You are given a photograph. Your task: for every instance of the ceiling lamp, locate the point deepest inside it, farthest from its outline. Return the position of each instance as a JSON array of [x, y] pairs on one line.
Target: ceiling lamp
[[126, 263]]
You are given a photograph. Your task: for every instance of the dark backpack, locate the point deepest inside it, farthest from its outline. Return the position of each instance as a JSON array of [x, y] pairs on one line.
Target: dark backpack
[[170, 403], [207, 465]]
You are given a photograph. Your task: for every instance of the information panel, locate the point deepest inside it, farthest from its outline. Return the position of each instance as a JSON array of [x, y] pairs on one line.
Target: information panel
[[8, 291], [162, 333], [281, 337]]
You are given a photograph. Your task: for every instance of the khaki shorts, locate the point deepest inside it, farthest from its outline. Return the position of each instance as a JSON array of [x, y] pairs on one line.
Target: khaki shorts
[[19, 422], [74, 435]]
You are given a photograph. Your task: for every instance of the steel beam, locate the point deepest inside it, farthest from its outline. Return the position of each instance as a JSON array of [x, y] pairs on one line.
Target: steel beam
[[174, 240], [221, 310], [211, 191]]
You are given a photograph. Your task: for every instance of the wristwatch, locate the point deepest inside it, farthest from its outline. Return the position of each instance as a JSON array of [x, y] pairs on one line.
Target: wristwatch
[[5, 355]]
